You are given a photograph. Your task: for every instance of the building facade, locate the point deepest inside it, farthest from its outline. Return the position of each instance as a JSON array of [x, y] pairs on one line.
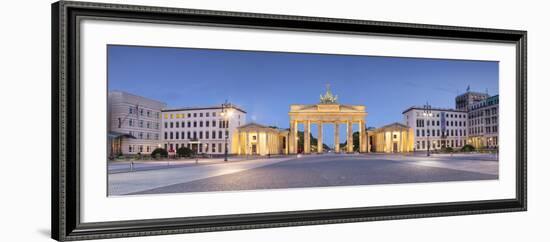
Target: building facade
[[134, 124], [392, 138], [202, 129], [257, 139], [464, 101], [483, 123], [437, 127]]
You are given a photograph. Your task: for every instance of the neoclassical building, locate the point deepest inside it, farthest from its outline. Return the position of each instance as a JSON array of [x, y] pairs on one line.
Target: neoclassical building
[[328, 111], [392, 138], [257, 139]]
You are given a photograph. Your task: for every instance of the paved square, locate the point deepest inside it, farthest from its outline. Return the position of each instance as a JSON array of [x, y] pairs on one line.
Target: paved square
[[298, 172]]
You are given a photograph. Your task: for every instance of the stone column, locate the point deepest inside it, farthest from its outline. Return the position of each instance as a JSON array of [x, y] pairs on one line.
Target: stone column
[[292, 142], [350, 137], [320, 138], [307, 141], [362, 145], [336, 137]]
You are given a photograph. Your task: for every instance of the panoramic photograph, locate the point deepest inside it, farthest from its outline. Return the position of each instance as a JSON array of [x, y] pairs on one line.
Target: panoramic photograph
[[186, 120]]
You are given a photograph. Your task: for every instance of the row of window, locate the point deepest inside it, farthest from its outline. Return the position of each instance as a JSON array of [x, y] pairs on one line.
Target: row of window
[[139, 149], [447, 115], [478, 121], [437, 133], [200, 148], [139, 123], [221, 123], [480, 130], [452, 123], [486, 112], [195, 135], [142, 135], [189, 115], [143, 112], [436, 144]]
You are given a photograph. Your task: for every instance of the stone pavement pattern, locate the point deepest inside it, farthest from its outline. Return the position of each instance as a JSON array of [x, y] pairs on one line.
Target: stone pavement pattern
[[315, 171]]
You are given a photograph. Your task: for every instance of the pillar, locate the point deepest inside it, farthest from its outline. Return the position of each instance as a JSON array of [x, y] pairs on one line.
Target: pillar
[[336, 137], [307, 141], [350, 137], [293, 142], [320, 138], [362, 139]]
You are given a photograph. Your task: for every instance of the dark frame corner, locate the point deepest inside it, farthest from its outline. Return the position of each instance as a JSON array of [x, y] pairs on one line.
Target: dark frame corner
[[65, 220]]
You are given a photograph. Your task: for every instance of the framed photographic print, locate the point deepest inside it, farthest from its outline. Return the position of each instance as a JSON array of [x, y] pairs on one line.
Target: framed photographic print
[[169, 120]]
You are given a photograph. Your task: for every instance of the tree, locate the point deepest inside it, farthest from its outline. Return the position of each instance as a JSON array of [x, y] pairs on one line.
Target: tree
[[184, 152], [159, 152], [467, 148]]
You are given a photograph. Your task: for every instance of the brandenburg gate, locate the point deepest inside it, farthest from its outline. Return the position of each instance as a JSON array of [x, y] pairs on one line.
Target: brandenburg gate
[[328, 111]]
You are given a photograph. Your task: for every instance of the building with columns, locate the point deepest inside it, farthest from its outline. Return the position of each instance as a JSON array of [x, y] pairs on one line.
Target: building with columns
[[328, 111], [257, 139], [392, 138]]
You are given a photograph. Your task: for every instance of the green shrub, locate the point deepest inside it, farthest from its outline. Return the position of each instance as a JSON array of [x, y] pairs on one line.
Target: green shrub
[[184, 152], [467, 148], [159, 152], [447, 150]]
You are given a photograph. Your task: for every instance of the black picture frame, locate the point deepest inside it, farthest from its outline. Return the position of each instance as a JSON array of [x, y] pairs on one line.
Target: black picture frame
[[66, 224]]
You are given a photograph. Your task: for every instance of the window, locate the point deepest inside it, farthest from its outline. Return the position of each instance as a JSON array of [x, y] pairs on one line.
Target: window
[[130, 148], [207, 114], [207, 134], [130, 111], [177, 124], [213, 123], [423, 133], [148, 115], [131, 122], [213, 134], [200, 123], [189, 124], [140, 135], [165, 125], [189, 115], [148, 124], [194, 115], [417, 133], [188, 135], [171, 135], [141, 123], [194, 134], [177, 135], [195, 124], [119, 122], [213, 114], [220, 135], [220, 147], [207, 123], [395, 136], [200, 115], [200, 135], [171, 124], [213, 148], [141, 112], [182, 135]]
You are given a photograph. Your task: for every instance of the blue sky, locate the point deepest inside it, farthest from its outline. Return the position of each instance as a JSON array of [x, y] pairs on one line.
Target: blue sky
[[266, 83]]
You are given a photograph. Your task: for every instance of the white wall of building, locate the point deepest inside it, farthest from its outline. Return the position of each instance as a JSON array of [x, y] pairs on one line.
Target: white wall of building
[[440, 127], [181, 126], [137, 116]]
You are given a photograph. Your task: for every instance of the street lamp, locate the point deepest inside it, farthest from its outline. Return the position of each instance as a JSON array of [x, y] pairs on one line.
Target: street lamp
[[428, 113], [226, 114]]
